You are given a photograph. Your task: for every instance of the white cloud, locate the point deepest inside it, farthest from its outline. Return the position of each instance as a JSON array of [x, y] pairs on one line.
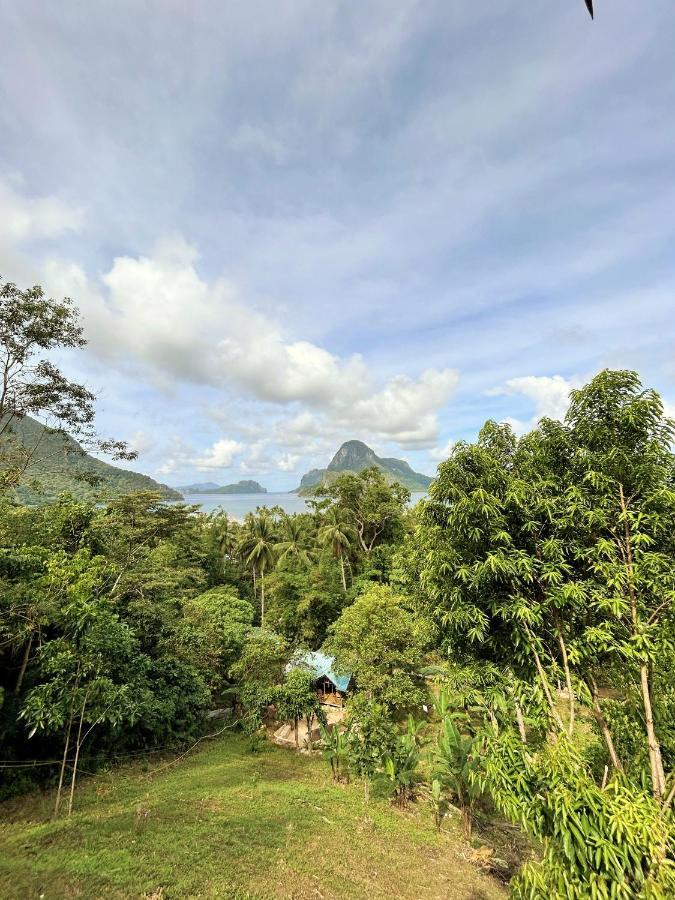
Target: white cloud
[[549, 394], [443, 452], [220, 455], [158, 314], [142, 443], [25, 218], [288, 462]]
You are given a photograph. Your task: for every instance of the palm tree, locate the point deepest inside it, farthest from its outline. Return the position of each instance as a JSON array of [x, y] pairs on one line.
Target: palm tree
[[258, 548], [226, 536], [338, 534], [294, 545]]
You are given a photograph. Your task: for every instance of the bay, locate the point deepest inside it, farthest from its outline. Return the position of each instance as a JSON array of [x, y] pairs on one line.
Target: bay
[[237, 505]]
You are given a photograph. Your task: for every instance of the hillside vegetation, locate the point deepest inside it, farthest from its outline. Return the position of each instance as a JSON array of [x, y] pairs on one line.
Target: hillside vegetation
[[226, 822], [59, 465]]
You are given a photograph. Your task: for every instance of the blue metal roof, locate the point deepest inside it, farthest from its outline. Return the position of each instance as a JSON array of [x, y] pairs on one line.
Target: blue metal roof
[[321, 666]]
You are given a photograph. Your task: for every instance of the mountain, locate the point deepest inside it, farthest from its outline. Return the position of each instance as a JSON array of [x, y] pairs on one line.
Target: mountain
[[60, 465], [241, 487], [354, 456], [198, 488]]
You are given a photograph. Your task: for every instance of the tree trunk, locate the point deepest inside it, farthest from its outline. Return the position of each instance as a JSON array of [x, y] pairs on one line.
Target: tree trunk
[[602, 724], [342, 570], [568, 680], [467, 820], [63, 765], [67, 744], [546, 687], [78, 744], [24, 665], [521, 722], [295, 728], [262, 599], [655, 760]]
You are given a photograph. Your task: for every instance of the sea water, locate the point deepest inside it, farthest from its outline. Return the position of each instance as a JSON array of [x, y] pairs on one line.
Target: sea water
[[237, 505]]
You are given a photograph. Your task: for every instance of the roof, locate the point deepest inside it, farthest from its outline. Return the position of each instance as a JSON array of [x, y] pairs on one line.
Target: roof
[[321, 666]]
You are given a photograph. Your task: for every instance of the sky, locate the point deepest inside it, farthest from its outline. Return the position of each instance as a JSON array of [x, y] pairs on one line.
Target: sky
[[289, 224]]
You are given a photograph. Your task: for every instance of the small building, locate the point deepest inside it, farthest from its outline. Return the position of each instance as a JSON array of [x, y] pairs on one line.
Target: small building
[[331, 688]]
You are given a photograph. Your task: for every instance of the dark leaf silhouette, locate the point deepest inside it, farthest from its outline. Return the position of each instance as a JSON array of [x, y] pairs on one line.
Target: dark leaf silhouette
[[589, 6]]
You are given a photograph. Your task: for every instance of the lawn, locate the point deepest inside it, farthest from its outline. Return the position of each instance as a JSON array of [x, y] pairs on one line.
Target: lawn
[[228, 822]]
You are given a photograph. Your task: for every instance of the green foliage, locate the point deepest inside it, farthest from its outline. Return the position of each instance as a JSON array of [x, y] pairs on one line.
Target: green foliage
[[371, 736], [213, 630], [611, 842], [296, 699], [400, 766], [380, 641], [335, 748], [456, 766]]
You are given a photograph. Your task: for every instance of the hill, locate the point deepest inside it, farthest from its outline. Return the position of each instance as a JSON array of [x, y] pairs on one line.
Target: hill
[[354, 456], [226, 822], [59, 464], [197, 488], [241, 487]]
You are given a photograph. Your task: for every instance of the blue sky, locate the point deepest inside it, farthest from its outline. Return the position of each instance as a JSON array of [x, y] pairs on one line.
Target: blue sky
[[290, 224]]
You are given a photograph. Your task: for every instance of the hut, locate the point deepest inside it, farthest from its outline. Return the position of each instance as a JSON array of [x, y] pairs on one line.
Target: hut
[[330, 687]]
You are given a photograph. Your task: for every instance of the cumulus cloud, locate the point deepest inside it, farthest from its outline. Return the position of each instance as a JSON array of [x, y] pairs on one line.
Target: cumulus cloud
[[288, 462], [548, 393], [443, 452], [142, 443], [156, 312], [24, 218], [220, 455]]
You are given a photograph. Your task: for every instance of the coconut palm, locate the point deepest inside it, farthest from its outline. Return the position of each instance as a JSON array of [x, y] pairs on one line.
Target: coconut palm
[[294, 544], [257, 548], [226, 535], [338, 534]]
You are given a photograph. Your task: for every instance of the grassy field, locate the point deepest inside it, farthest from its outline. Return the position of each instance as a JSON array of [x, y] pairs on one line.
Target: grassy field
[[227, 822]]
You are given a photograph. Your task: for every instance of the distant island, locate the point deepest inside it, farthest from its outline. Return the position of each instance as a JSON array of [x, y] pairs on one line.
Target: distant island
[[354, 456], [60, 465], [210, 487]]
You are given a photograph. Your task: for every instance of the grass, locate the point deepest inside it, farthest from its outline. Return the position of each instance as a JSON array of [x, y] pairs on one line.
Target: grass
[[228, 823]]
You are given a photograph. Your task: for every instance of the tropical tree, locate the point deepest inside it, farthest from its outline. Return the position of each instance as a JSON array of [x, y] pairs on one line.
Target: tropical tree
[[31, 325], [335, 748], [294, 545], [296, 699], [400, 765], [621, 505], [258, 548], [375, 506], [338, 534], [456, 762], [380, 641], [612, 841], [371, 737]]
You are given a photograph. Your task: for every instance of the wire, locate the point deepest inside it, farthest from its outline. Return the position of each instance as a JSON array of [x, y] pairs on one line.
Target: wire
[[8, 764]]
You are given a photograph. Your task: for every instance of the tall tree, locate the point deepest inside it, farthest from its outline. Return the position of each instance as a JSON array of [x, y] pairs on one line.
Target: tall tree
[[294, 544], [32, 325], [375, 506], [337, 533], [260, 552]]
